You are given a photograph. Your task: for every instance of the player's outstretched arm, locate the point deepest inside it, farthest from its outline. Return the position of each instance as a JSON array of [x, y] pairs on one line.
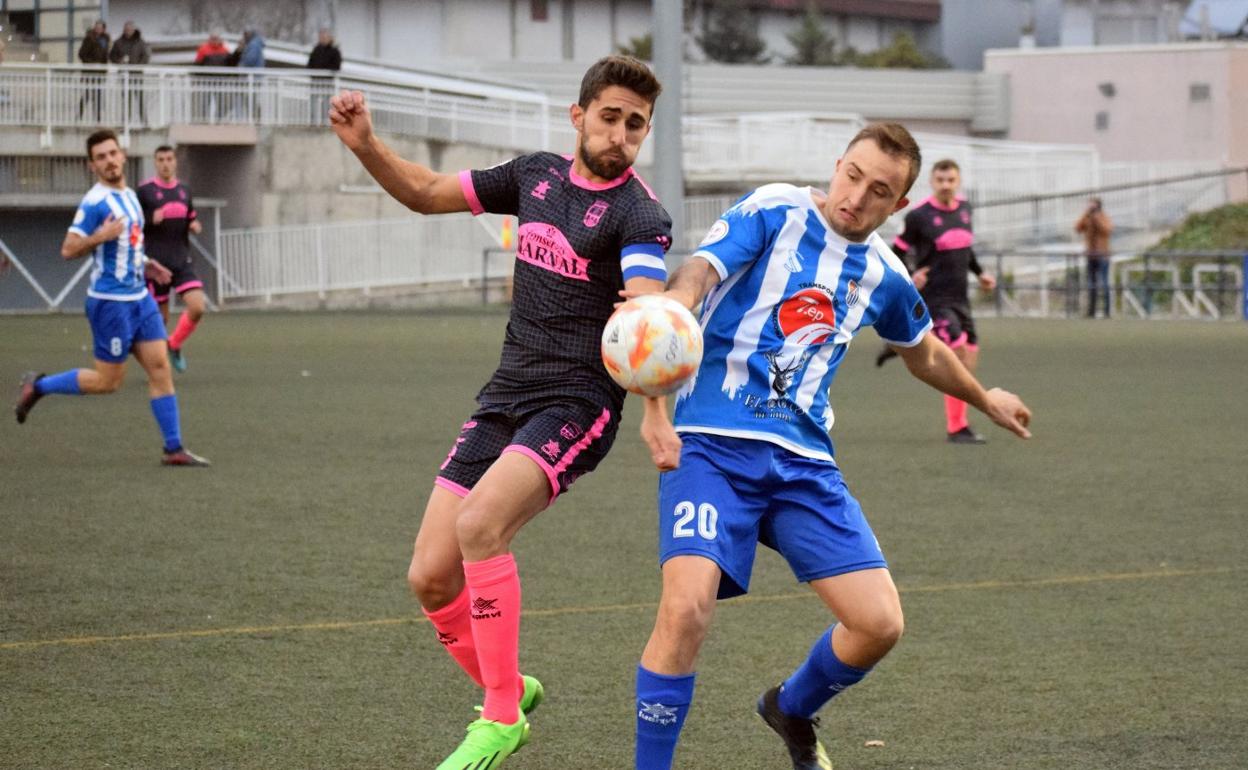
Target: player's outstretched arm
[[419, 188], [691, 282], [934, 363]]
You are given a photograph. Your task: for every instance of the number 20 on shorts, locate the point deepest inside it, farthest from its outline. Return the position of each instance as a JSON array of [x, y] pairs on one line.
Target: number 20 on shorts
[[707, 520]]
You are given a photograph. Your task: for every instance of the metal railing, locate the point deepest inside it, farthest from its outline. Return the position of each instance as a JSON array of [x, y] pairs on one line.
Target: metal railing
[[1176, 285], [130, 98]]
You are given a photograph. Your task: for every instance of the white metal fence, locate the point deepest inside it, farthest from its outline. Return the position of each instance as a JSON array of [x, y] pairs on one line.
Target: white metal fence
[[128, 98], [268, 262]]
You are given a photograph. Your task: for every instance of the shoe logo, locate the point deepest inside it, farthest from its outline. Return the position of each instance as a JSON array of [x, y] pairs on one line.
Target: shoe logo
[[446, 640], [539, 192], [657, 713], [484, 609], [551, 450]]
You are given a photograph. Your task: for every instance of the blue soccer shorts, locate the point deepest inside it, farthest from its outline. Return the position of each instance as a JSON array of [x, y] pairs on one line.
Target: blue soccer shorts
[[729, 494], [117, 325]]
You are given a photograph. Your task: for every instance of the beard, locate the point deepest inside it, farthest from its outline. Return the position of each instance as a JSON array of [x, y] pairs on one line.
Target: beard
[[606, 164]]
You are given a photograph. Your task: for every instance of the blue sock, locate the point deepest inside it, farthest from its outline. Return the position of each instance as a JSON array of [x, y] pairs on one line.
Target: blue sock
[[65, 383], [166, 410], [662, 704], [820, 677]]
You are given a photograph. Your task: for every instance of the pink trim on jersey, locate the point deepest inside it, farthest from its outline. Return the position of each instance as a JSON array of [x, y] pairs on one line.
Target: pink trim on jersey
[[157, 181], [585, 184], [160, 298], [541, 463], [957, 238], [451, 486], [974, 348], [957, 201], [645, 186], [899, 243], [470, 193], [185, 287]]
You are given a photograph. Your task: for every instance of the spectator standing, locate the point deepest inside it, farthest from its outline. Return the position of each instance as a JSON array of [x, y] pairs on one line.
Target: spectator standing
[[1096, 226], [131, 49], [325, 56], [94, 50], [212, 53]]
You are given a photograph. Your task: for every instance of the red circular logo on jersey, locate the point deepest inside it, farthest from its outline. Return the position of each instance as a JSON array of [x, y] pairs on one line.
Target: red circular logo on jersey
[[807, 318]]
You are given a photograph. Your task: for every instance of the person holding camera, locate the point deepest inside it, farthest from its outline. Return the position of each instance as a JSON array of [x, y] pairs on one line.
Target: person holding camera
[[1095, 226]]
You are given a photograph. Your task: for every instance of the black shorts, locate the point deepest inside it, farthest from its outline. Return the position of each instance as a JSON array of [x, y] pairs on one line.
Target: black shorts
[[953, 325], [566, 437], [184, 280]]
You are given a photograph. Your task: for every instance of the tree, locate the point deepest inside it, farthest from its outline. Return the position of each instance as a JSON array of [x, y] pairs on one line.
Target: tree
[[639, 47], [902, 53], [729, 35], [812, 45]]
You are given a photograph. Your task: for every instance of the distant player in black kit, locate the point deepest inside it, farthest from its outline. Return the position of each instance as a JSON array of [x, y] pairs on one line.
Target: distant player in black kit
[[937, 246], [171, 218], [589, 228]]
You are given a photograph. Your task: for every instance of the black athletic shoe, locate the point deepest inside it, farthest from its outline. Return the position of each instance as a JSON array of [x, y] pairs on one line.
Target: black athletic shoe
[[885, 354], [967, 436], [182, 458], [27, 396], [798, 734]]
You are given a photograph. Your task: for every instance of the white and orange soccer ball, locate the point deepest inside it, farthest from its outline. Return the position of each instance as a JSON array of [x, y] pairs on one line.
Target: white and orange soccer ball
[[651, 345]]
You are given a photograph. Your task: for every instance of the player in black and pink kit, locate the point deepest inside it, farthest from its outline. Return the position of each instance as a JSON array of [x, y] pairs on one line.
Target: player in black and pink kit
[[937, 245], [170, 216], [589, 228]]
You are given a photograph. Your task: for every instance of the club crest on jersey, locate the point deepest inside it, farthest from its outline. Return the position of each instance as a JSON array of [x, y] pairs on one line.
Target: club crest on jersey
[[937, 220], [570, 431], [593, 215], [966, 218], [851, 293]]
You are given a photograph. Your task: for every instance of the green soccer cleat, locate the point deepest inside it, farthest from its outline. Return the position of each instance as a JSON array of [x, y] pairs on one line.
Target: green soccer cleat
[[532, 696], [487, 745], [178, 360]]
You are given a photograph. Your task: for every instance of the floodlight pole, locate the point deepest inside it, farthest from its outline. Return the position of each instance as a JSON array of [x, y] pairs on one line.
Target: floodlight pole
[[669, 168]]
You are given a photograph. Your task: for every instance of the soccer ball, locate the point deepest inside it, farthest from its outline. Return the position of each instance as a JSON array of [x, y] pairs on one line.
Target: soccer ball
[[651, 345]]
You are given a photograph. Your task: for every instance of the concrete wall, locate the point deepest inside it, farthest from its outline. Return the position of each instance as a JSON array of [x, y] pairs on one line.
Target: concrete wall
[[1057, 94]]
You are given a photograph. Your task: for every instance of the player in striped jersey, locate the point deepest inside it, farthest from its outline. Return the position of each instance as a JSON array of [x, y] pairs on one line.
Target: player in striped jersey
[[123, 316], [790, 275], [589, 228]]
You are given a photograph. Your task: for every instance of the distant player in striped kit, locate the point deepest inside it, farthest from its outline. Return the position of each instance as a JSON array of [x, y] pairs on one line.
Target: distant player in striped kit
[[938, 246], [123, 315], [790, 276], [170, 217], [589, 228]]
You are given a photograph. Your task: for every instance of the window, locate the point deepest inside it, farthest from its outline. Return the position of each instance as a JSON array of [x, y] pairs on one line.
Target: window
[[1102, 121], [1198, 92], [539, 10]]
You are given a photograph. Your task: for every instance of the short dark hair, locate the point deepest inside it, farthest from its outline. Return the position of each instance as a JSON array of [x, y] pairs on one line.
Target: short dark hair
[[163, 148], [619, 70], [945, 164], [896, 141], [100, 137]]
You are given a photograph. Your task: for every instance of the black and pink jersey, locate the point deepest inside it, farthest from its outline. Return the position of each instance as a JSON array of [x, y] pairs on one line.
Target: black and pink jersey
[[940, 238], [578, 242], [168, 242]]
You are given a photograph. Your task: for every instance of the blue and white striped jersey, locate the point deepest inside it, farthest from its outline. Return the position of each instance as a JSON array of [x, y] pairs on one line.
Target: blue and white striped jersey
[[793, 294], [118, 271]]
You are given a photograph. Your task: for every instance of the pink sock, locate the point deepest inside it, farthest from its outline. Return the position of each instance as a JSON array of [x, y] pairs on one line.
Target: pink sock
[[494, 587], [181, 331], [955, 414], [455, 634]]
